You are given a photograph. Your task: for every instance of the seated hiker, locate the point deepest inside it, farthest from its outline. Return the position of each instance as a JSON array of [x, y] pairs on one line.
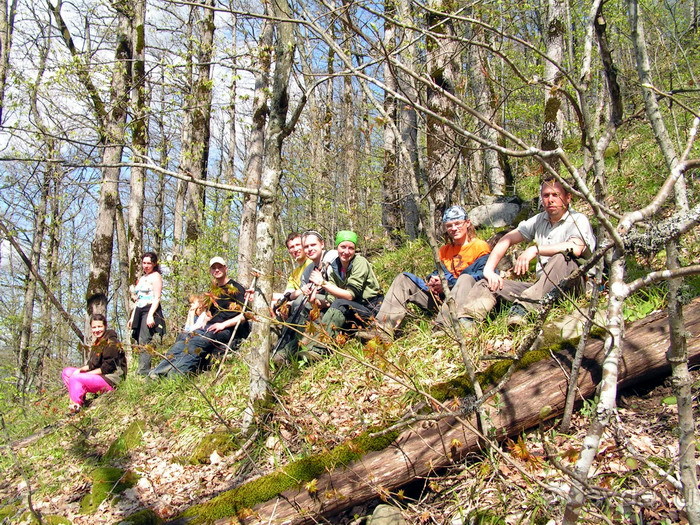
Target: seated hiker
[[559, 237], [352, 293], [306, 298], [296, 251], [105, 367], [462, 259], [197, 315], [190, 351]]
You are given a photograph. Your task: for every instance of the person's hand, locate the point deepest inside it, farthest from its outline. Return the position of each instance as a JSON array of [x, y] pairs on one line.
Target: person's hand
[[307, 289], [216, 328], [522, 264], [75, 372], [249, 294], [150, 321], [434, 284], [494, 280], [128, 324], [316, 278]]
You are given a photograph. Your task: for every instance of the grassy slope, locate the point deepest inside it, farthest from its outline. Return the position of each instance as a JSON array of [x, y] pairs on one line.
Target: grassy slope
[[317, 407]]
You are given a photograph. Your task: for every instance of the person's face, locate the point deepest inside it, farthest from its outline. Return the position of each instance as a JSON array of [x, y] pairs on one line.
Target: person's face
[[295, 249], [457, 230], [147, 265], [313, 247], [346, 251], [555, 200], [218, 272], [98, 329]]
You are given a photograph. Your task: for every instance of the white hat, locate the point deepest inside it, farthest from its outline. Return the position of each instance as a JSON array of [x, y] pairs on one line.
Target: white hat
[[215, 260]]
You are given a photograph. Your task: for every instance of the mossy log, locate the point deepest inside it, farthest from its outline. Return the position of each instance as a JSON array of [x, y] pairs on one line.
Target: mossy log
[[430, 445]]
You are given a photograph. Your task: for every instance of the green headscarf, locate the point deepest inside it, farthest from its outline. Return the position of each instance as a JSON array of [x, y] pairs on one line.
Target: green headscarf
[[345, 235]]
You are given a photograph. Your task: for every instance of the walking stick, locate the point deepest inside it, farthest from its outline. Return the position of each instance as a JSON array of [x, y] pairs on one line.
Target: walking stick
[[256, 274]]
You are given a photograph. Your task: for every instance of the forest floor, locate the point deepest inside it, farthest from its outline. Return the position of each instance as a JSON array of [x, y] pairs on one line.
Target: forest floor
[[318, 407]]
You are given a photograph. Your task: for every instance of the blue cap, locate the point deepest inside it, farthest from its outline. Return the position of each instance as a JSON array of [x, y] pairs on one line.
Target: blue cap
[[454, 213]]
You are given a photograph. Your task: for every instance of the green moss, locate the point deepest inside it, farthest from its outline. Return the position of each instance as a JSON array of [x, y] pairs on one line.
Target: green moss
[[50, 519], [130, 439], [106, 481], [461, 386], [142, 517], [291, 476], [221, 442]]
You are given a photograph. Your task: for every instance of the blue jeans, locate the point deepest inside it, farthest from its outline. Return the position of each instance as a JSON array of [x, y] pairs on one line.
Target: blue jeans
[[189, 352]]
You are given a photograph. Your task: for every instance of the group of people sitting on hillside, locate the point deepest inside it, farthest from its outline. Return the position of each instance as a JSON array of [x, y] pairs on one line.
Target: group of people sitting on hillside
[[340, 288]]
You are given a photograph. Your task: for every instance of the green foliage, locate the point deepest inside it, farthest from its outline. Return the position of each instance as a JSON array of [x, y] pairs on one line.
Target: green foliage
[[131, 438], [644, 302], [414, 257], [106, 482]]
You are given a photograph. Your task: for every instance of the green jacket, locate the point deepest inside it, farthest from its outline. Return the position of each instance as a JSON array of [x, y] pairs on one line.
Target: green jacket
[[360, 279]]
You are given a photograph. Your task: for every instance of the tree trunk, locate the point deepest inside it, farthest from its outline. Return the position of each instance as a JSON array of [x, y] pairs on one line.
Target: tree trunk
[[194, 156], [552, 127], [650, 103], [7, 27], [391, 211], [114, 122], [139, 140], [682, 383], [430, 445], [443, 144], [277, 130], [256, 150], [479, 75]]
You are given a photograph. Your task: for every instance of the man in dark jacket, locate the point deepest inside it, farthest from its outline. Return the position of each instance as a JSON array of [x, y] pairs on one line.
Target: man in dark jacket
[[226, 311]]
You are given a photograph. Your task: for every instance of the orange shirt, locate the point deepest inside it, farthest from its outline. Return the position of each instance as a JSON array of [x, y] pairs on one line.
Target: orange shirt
[[456, 258]]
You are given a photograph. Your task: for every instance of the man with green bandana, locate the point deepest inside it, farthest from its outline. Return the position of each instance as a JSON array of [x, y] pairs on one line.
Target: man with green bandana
[[353, 294]]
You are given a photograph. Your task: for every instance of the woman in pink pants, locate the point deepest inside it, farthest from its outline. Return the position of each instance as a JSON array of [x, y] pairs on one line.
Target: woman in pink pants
[[105, 367]]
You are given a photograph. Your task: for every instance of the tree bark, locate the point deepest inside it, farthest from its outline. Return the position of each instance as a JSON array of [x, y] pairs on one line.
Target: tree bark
[[277, 130], [256, 150], [553, 100], [7, 27], [139, 140], [391, 211], [443, 143]]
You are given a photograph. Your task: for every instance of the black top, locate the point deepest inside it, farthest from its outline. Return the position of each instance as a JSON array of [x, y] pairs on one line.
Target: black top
[[226, 301]]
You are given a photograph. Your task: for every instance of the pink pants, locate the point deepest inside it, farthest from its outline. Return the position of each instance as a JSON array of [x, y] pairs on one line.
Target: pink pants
[[80, 384]]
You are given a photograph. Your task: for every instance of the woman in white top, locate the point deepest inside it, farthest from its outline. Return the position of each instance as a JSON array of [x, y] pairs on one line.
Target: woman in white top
[[147, 316]]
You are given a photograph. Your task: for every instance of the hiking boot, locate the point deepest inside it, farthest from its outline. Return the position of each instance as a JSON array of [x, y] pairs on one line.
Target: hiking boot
[[517, 316]]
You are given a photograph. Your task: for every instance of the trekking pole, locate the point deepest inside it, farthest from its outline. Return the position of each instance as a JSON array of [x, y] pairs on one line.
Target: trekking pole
[[256, 274]]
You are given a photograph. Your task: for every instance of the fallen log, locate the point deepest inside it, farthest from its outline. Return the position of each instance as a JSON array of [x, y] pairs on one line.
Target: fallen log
[[430, 445]]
